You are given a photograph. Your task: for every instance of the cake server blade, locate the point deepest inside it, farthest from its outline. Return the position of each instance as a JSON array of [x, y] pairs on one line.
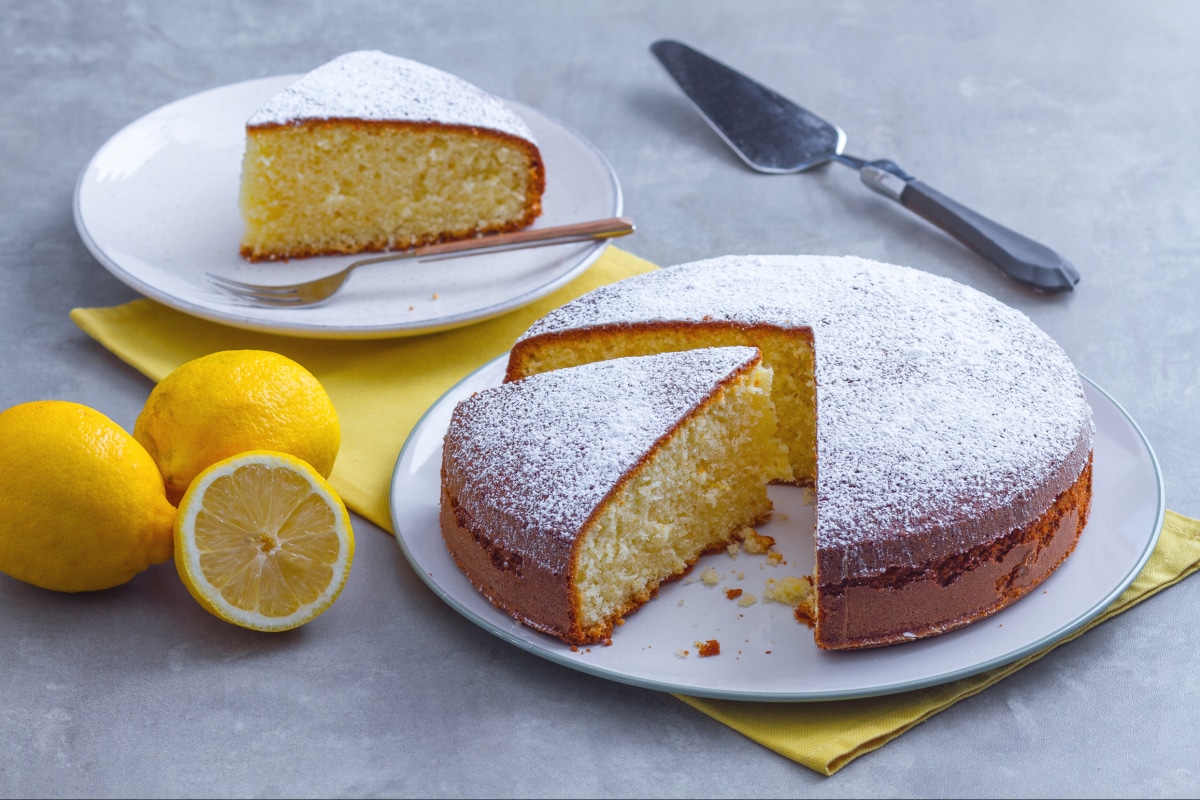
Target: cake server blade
[[775, 135]]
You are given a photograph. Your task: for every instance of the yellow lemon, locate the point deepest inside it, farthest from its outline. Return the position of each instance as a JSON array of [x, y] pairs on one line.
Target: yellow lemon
[[231, 402], [82, 505], [263, 541]]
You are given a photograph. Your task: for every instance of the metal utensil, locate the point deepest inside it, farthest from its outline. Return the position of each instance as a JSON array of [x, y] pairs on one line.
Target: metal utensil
[[773, 134], [318, 290]]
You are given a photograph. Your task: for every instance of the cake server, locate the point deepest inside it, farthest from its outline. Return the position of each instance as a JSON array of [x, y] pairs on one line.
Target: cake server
[[772, 134]]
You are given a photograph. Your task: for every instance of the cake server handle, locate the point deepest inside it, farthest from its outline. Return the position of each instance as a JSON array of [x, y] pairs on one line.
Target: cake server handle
[[1022, 259]]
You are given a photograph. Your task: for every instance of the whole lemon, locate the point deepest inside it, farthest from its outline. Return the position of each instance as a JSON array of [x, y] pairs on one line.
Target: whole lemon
[[82, 505], [230, 402]]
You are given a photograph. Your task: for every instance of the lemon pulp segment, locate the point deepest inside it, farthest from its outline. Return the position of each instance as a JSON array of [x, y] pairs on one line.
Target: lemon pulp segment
[[264, 544]]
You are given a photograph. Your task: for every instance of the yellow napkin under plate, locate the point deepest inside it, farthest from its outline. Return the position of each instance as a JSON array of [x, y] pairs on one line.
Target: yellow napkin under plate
[[382, 387]]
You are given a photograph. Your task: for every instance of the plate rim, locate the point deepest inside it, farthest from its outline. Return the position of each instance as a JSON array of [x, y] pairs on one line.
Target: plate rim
[[325, 331], [1017, 654]]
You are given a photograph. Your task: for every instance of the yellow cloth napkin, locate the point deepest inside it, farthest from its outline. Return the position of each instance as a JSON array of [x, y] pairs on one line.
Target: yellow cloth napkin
[[382, 387]]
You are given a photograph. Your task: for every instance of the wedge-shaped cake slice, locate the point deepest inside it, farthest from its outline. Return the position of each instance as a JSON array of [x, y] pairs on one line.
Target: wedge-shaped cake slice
[[569, 497], [373, 152]]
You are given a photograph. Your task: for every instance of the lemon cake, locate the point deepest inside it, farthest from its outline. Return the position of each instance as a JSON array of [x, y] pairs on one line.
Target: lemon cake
[[948, 439], [374, 152], [568, 498]]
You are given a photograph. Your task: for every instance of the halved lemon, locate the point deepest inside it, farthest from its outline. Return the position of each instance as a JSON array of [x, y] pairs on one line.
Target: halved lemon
[[263, 541]]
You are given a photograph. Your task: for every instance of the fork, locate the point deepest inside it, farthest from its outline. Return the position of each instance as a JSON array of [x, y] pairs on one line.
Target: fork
[[319, 290]]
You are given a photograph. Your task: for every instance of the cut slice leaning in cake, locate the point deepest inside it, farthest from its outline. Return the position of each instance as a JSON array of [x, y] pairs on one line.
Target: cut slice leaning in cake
[[373, 152], [569, 497]]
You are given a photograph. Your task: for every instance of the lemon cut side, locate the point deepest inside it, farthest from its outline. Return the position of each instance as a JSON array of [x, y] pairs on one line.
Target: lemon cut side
[[263, 541]]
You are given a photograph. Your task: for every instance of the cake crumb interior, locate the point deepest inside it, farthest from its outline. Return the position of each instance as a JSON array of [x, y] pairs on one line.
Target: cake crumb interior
[[330, 187], [694, 494]]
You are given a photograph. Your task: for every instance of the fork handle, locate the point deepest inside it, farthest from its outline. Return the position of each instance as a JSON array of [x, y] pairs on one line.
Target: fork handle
[[577, 231]]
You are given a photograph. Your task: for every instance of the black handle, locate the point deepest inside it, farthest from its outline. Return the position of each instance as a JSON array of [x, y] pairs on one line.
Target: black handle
[[1022, 259]]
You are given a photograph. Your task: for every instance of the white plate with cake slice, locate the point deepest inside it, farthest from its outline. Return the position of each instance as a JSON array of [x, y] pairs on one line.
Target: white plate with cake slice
[[765, 654], [158, 207]]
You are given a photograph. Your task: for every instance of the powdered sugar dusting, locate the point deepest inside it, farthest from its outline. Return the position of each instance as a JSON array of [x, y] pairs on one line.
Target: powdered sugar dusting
[[376, 86], [943, 416], [543, 452]]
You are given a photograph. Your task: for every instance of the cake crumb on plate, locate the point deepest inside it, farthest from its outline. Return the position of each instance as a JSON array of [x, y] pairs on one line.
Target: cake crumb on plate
[[756, 543]]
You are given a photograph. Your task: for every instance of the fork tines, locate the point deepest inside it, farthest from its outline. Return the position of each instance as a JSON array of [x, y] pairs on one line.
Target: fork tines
[[264, 295]]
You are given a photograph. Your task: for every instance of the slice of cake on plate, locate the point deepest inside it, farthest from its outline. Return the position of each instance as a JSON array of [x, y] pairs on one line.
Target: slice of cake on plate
[[373, 152]]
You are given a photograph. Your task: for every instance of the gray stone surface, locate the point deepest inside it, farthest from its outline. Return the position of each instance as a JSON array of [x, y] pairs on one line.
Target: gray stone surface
[[1075, 123]]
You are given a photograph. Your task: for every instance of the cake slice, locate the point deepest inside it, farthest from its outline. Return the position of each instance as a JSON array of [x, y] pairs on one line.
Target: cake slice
[[569, 497], [373, 152]]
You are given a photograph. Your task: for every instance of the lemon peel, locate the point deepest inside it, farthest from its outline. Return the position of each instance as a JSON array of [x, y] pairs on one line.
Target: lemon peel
[[231, 402], [82, 505]]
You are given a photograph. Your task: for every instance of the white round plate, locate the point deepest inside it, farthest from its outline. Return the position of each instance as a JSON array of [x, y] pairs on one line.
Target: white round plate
[[158, 207], [765, 654]]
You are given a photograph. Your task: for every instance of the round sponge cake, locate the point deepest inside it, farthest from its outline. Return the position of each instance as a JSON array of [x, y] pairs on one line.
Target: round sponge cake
[[947, 437]]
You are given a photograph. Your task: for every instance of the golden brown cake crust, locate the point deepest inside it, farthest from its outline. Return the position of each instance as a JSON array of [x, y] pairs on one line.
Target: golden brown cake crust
[[530, 593], [958, 589]]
